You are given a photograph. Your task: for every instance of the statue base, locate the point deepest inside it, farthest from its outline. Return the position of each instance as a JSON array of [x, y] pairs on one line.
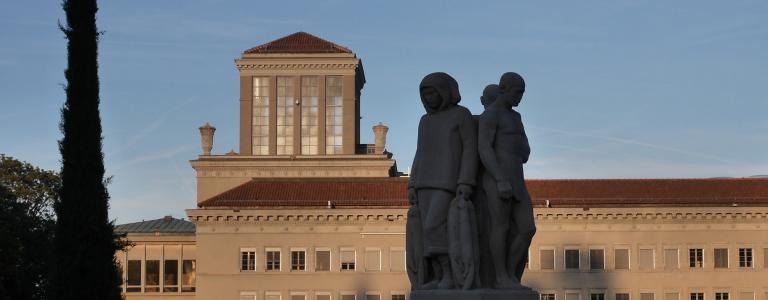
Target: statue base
[[476, 294]]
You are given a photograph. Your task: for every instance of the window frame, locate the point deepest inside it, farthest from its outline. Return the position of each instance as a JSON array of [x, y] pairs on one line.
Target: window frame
[[554, 258], [254, 261], [330, 259], [565, 258], [298, 250], [354, 258], [601, 248], [269, 267]]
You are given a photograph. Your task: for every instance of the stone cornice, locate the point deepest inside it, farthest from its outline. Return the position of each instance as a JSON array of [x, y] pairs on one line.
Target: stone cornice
[[299, 217]]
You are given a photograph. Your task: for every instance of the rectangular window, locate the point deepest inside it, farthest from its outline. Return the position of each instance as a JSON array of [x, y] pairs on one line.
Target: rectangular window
[[152, 276], [322, 260], [298, 297], [546, 296], [572, 295], [247, 259], [765, 260], [647, 296], [547, 259], [597, 296], [310, 91], [171, 276], [621, 259], [273, 260], [285, 103], [133, 276], [747, 296], [372, 260], [745, 258], [188, 275], [596, 259], [645, 259], [572, 259], [248, 296], [272, 296], [721, 257], [347, 259], [671, 296], [696, 258], [622, 296], [260, 116], [372, 297], [697, 296], [298, 260], [721, 296], [322, 296], [402, 297], [397, 261], [333, 115], [671, 261], [348, 297]]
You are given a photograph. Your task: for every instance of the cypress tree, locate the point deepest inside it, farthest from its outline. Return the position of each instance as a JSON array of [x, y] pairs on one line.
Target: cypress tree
[[85, 243]]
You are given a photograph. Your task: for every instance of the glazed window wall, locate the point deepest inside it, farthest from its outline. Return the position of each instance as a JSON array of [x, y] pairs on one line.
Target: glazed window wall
[[168, 269], [285, 103], [333, 115], [310, 91], [260, 130]]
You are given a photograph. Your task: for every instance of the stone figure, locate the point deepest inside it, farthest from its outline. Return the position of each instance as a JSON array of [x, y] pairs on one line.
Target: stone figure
[[503, 148], [444, 168], [490, 93]]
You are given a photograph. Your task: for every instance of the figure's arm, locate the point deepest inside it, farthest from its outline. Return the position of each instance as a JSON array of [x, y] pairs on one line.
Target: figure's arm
[[486, 134], [469, 158]]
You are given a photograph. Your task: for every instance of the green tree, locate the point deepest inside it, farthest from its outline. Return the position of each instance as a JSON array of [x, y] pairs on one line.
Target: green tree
[[85, 242], [27, 197]]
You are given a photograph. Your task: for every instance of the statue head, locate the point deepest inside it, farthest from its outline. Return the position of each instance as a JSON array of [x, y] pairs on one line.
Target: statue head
[[490, 93], [439, 91], [511, 89]]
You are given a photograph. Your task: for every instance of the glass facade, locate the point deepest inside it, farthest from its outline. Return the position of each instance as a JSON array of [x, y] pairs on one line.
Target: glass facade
[[285, 103], [310, 91], [260, 130], [333, 115]]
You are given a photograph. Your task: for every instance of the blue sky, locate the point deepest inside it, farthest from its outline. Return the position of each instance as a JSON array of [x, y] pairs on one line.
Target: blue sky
[[616, 89]]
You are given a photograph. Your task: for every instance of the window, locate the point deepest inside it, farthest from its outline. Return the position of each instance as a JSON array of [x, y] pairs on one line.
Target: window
[[298, 260], [171, 276], [347, 258], [322, 260], [621, 259], [372, 260], [272, 296], [247, 259], [152, 276], [300, 296], [671, 261], [697, 296], [596, 259], [597, 296], [546, 296], [273, 260], [247, 295], [372, 297], [721, 296], [765, 260], [333, 115], [309, 123], [721, 257], [348, 297], [133, 276], [285, 99], [572, 259], [402, 297], [547, 259], [188, 275], [671, 296], [745, 257], [397, 260], [322, 296], [622, 296], [747, 296], [645, 259], [572, 295], [647, 296], [260, 121], [696, 257]]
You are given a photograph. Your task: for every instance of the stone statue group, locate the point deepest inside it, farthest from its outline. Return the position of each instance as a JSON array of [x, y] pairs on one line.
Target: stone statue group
[[471, 220]]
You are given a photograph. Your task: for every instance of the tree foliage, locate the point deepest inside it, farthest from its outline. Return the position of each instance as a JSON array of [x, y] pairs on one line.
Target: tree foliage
[[32, 185]]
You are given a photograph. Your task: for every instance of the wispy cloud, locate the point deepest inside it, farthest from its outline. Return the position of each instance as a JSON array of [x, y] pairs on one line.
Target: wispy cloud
[[162, 154]]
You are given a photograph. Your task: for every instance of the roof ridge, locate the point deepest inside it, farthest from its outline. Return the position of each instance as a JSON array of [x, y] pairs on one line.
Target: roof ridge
[[299, 42]]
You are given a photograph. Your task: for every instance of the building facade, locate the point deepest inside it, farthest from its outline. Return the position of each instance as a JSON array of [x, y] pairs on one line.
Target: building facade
[[304, 211]]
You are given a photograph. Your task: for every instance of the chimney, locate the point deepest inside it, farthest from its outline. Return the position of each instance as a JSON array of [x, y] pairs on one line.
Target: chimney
[[206, 138], [380, 137]]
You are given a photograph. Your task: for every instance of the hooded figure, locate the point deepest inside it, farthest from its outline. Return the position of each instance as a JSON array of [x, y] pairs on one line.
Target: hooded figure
[[445, 167]]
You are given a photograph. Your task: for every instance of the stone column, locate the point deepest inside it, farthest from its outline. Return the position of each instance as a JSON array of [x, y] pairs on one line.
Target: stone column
[[206, 138], [380, 137]]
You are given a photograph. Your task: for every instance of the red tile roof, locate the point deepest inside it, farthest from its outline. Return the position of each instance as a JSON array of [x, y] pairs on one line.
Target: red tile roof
[[300, 42], [391, 192]]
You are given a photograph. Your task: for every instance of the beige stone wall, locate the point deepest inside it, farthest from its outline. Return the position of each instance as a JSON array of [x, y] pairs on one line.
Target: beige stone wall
[[222, 233]]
